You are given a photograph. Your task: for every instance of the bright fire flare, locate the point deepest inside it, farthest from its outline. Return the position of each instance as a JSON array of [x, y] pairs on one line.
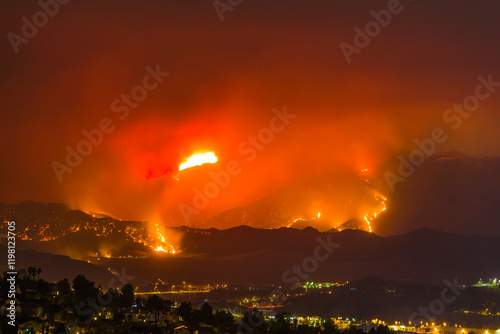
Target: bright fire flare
[[199, 159], [161, 249], [170, 249]]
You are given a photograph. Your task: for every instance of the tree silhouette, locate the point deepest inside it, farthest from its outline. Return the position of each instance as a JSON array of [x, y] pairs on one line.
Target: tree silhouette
[[383, 329], [32, 272], [329, 327], [254, 322], [354, 330], [207, 315], [184, 311], [280, 325], [64, 288], [84, 288], [167, 306], [154, 303], [224, 322], [127, 297]]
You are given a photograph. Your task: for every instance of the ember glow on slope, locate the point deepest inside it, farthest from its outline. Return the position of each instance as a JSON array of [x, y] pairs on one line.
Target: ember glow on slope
[[378, 197], [369, 218], [318, 216], [225, 80]]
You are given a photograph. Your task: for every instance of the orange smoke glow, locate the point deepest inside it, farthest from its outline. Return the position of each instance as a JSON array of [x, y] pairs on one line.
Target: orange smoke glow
[[198, 159]]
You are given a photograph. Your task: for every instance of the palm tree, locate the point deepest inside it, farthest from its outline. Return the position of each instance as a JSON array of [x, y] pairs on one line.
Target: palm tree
[[39, 271], [32, 272]]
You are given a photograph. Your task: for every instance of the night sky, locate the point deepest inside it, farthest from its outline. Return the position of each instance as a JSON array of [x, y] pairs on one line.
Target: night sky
[[224, 80]]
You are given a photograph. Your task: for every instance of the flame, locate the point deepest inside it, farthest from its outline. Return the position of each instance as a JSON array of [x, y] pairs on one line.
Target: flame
[[302, 219], [198, 159], [369, 218], [170, 249], [161, 249]]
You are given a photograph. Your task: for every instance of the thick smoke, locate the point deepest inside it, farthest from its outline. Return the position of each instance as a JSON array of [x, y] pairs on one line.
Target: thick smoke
[[225, 79]]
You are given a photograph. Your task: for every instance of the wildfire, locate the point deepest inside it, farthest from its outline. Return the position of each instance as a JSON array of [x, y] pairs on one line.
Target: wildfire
[[161, 249], [198, 159], [369, 218], [170, 249], [318, 216]]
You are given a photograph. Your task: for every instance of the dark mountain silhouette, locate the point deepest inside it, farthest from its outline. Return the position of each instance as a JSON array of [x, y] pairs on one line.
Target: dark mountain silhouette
[[57, 267], [245, 255], [449, 192], [455, 195]]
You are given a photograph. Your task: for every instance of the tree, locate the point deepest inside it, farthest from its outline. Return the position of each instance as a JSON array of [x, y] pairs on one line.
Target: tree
[[329, 327], [280, 325], [184, 311], [207, 315], [354, 330], [32, 272], [84, 288], [127, 296], [167, 306], [64, 288], [224, 322], [254, 322], [383, 329], [38, 272], [154, 303], [43, 288]]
